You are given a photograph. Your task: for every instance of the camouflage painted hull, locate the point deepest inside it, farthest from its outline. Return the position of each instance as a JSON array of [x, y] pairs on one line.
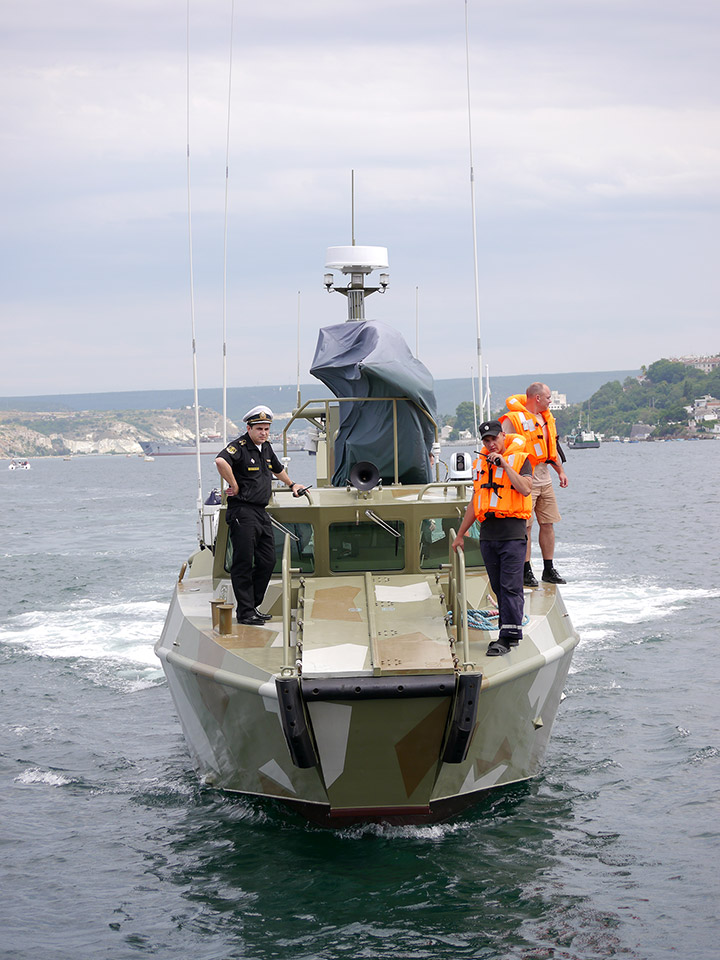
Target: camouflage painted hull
[[380, 725]]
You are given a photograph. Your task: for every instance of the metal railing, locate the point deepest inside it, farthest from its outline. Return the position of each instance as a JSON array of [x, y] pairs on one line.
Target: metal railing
[[457, 600], [289, 666]]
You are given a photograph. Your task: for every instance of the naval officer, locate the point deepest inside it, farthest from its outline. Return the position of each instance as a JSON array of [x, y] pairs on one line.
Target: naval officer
[[247, 465]]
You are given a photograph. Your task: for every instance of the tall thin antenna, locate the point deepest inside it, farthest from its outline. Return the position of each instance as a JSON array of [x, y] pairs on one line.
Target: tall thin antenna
[[474, 221], [225, 233], [417, 323], [475, 409], [192, 285], [298, 351], [352, 205]]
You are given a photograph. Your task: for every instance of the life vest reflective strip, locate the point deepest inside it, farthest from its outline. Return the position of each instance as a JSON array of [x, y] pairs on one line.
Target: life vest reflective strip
[[525, 423], [502, 499]]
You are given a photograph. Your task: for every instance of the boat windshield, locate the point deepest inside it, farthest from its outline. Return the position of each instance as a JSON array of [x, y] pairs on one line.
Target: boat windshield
[[435, 543], [302, 549], [366, 546]]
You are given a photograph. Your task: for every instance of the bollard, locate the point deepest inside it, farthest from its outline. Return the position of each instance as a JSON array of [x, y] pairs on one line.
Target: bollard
[[215, 603], [225, 618]]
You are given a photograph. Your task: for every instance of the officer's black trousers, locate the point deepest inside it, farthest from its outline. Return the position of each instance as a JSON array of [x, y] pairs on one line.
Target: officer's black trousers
[[253, 556], [504, 563]]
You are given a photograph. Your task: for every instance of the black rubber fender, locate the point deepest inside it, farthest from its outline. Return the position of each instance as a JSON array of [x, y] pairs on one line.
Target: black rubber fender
[[463, 719], [294, 723]]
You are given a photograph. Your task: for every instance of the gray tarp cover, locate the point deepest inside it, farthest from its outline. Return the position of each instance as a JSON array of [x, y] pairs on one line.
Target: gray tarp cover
[[368, 358]]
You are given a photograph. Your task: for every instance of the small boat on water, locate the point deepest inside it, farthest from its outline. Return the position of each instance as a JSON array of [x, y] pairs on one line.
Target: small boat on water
[[208, 447], [154, 449], [368, 695], [583, 440], [19, 464]]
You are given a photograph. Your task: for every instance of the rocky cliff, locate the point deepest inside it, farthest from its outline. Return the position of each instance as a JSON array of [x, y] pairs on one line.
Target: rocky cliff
[[59, 433]]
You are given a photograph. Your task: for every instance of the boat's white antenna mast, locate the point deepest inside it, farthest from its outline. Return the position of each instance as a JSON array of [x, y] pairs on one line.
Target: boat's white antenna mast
[[475, 409], [474, 225], [192, 286], [298, 352], [417, 323], [352, 206], [225, 236]]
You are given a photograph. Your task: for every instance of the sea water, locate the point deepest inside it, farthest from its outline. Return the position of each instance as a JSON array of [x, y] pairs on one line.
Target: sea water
[[112, 849]]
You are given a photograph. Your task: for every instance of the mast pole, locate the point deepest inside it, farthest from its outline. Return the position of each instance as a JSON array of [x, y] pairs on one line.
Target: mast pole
[[192, 285], [481, 396], [352, 206], [298, 351], [417, 322], [225, 233]]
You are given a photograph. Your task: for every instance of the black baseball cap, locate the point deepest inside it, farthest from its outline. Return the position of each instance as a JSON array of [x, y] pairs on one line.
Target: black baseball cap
[[491, 428]]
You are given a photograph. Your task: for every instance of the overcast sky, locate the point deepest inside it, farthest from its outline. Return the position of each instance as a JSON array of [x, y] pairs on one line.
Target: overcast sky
[[596, 147]]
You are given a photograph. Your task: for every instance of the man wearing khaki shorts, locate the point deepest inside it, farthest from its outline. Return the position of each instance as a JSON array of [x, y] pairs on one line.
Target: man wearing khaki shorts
[[529, 415]]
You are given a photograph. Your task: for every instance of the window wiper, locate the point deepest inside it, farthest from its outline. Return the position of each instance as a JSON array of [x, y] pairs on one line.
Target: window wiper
[[381, 523]]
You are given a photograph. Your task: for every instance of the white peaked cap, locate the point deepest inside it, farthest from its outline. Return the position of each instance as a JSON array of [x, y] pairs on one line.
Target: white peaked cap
[[259, 414]]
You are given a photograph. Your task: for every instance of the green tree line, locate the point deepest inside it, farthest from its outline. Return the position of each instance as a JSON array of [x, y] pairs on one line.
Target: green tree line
[[658, 398]]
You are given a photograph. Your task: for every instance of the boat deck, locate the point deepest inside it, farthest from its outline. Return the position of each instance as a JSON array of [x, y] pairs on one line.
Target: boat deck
[[372, 625]]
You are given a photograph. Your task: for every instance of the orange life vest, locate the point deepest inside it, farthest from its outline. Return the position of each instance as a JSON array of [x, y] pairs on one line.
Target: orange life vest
[[526, 424], [493, 491]]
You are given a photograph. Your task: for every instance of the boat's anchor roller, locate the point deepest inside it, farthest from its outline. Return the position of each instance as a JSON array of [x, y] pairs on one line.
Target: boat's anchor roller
[[294, 723], [464, 718]]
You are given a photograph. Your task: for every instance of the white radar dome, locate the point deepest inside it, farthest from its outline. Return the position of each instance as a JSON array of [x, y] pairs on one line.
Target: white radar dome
[[356, 258]]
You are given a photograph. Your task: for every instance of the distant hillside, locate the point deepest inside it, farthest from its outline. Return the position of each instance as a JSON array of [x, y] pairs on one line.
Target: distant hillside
[[26, 433], [577, 386]]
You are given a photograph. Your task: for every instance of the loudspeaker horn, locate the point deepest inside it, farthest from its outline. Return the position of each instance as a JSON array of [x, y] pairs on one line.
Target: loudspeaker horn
[[364, 475]]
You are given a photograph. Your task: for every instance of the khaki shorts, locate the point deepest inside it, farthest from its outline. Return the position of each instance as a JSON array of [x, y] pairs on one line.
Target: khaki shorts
[[545, 505]]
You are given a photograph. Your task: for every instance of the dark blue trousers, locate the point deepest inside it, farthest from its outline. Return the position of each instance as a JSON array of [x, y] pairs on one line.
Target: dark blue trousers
[[504, 562], [253, 556]]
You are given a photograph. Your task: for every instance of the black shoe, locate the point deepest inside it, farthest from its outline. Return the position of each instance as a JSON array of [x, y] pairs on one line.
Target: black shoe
[[529, 579], [497, 648], [512, 641], [263, 616], [552, 576], [252, 621]]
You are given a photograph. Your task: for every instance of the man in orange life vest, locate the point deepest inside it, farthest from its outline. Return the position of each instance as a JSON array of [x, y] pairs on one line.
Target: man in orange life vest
[[502, 480], [529, 415]]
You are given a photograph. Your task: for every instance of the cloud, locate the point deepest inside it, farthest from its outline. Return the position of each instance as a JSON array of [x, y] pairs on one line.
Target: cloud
[[595, 155]]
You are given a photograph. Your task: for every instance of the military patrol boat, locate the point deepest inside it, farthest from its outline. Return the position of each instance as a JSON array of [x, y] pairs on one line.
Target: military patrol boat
[[368, 696]]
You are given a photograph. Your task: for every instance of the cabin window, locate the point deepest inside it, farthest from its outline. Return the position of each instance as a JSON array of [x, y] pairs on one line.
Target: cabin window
[[366, 546], [302, 550], [435, 543]]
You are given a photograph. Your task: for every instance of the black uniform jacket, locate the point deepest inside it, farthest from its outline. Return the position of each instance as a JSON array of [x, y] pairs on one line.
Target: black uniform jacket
[[253, 470]]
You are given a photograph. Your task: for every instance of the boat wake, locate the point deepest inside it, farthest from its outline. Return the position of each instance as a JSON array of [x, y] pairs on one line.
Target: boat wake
[[386, 831], [599, 608], [111, 640]]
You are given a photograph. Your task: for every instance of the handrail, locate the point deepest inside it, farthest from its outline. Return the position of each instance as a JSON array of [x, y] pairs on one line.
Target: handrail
[[457, 600], [443, 483], [462, 597], [288, 667]]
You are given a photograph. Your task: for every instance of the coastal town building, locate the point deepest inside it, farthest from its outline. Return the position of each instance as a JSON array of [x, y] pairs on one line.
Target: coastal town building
[[558, 401], [640, 431], [704, 364]]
